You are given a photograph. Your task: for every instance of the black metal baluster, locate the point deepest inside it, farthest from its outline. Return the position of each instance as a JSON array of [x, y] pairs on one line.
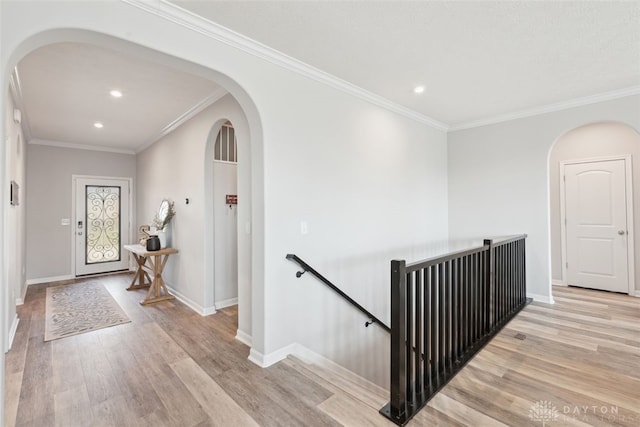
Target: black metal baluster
[[522, 295], [512, 273], [462, 310], [483, 293], [398, 385], [507, 281], [505, 268], [523, 268], [446, 294], [419, 351], [441, 327], [435, 327], [466, 283], [441, 322], [426, 361], [410, 318], [475, 273], [469, 308], [489, 274], [455, 309], [474, 300], [502, 282]]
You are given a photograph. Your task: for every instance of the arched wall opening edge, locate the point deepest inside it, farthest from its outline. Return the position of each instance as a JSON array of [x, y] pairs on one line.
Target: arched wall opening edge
[[255, 139], [552, 148]]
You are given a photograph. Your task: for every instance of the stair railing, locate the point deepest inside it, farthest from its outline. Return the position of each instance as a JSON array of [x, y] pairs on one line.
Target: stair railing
[[443, 311]]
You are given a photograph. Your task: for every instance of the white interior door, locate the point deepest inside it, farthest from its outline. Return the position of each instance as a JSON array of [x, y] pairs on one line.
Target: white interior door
[[101, 225], [596, 225]]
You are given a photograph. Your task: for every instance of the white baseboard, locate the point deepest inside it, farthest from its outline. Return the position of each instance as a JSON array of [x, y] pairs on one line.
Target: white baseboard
[[556, 282], [207, 311], [541, 298], [20, 300], [202, 311], [12, 332], [49, 279], [636, 294], [226, 303], [256, 357], [266, 360], [310, 357], [244, 338]]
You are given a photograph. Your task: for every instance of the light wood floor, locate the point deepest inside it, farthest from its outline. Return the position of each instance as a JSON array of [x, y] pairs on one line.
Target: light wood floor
[[169, 366]]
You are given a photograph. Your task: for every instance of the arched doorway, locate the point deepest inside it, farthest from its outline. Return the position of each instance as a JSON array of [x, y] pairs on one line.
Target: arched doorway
[[586, 147], [225, 217], [251, 135], [229, 228]]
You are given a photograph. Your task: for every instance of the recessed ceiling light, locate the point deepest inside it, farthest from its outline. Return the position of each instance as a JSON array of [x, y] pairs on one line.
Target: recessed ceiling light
[[418, 89], [98, 125], [116, 93]]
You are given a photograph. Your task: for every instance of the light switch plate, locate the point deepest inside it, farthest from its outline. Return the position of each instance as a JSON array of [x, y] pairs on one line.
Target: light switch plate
[[65, 221]]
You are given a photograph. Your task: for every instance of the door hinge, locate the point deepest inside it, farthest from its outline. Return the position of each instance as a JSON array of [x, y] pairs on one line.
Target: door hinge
[[564, 178], [566, 264]]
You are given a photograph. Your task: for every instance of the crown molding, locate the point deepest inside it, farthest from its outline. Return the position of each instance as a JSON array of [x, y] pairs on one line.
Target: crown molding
[[60, 144], [187, 19], [15, 89], [187, 115], [565, 105]]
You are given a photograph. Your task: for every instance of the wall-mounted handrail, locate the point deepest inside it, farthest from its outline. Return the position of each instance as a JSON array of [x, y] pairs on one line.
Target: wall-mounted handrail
[[307, 268]]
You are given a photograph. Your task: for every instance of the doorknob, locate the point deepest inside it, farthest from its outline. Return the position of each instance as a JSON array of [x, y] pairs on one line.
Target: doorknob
[[621, 232]]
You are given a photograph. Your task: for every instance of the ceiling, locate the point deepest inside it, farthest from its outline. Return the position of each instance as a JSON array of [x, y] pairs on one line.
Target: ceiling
[[478, 60], [65, 90]]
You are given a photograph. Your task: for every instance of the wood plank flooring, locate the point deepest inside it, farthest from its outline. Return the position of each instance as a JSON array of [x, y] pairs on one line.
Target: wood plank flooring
[[579, 362]]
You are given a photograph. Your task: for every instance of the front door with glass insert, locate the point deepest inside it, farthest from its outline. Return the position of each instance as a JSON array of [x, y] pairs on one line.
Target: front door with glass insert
[[101, 225]]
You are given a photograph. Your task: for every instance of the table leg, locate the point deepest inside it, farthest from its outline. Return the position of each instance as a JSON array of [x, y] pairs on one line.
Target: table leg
[[140, 275], [158, 290]]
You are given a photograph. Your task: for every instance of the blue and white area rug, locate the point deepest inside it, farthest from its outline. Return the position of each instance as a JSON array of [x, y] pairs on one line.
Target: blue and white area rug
[[78, 308]]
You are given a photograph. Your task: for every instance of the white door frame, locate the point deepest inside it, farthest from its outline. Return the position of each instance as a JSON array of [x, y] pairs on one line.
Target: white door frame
[[129, 229], [629, 202]]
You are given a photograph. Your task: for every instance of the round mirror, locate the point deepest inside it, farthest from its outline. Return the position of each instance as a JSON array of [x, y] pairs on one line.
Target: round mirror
[[164, 215], [163, 210]]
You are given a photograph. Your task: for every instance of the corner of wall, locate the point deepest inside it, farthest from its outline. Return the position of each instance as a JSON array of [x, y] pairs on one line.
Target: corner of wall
[[202, 311], [244, 338], [12, 332], [266, 360], [541, 298]]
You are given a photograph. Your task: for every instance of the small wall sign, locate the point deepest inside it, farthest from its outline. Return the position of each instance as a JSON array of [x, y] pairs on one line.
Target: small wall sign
[[232, 199]]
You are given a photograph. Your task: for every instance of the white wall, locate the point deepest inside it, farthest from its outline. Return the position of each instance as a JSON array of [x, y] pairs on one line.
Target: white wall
[[371, 184], [181, 166], [590, 141], [225, 181], [371, 187], [15, 219], [49, 199], [499, 179]]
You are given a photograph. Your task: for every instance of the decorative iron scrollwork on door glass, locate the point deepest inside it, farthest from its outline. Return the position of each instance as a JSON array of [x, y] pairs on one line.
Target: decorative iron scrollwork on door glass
[[103, 224]]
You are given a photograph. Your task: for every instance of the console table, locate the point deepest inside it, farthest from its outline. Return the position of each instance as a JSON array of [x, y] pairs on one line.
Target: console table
[[150, 262]]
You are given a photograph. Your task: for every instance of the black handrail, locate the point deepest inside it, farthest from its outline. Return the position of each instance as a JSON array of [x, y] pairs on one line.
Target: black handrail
[[306, 267]]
